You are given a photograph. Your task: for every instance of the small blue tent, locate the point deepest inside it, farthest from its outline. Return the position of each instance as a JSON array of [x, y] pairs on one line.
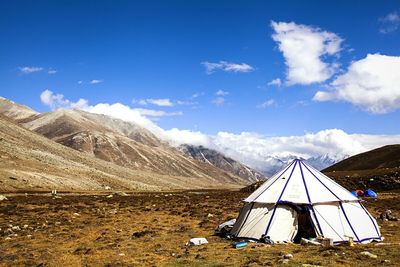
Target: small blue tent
[[370, 193]]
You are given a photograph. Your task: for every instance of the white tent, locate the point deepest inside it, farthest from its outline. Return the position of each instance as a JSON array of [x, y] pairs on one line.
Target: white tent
[[300, 201]]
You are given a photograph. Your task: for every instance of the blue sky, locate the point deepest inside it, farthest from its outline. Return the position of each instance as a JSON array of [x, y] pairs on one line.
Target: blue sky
[[139, 51]]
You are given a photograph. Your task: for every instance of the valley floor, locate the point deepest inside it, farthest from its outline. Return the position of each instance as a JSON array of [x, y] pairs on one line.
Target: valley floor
[[151, 229]]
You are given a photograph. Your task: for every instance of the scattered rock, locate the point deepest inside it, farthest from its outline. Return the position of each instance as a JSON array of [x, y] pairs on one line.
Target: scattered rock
[[107, 188], [210, 215], [309, 265], [121, 254], [122, 194], [197, 241], [369, 254], [288, 256], [283, 261], [3, 197], [76, 214], [16, 228], [8, 231], [110, 196], [141, 234]]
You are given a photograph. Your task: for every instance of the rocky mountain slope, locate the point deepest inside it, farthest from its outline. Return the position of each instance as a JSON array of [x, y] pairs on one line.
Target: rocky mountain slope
[[378, 169], [383, 157], [218, 160], [30, 161], [122, 143], [14, 110]]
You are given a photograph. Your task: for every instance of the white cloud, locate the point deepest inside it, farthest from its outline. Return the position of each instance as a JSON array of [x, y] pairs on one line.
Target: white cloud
[[262, 152], [389, 23], [267, 103], [222, 93], [371, 83], [219, 101], [157, 113], [226, 66], [123, 112], [95, 81], [29, 70], [80, 82], [186, 103], [162, 102], [196, 95], [276, 82], [55, 101], [303, 48], [253, 149]]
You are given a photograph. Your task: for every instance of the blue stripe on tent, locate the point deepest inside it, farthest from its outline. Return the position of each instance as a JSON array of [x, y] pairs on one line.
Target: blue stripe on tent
[[309, 199], [369, 215], [280, 196], [247, 216], [275, 179], [304, 182], [321, 182], [347, 219], [371, 238]]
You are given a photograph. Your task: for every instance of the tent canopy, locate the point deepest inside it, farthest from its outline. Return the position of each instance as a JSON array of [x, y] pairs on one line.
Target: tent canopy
[[300, 200], [300, 183]]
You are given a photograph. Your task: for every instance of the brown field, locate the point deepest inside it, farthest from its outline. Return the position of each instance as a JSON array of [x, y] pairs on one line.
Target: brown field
[[151, 229]]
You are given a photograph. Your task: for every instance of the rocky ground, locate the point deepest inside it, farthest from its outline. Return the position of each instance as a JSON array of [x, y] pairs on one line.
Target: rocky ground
[[151, 229]]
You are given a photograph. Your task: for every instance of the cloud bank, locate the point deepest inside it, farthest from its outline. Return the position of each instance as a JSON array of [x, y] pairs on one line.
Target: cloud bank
[[255, 150], [371, 83], [305, 50]]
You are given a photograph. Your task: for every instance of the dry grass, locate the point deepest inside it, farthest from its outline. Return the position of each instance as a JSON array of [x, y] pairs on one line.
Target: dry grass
[[152, 229]]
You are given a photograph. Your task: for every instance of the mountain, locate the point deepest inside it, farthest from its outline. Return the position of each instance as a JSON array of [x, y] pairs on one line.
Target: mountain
[[383, 157], [30, 161], [15, 111], [378, 169], [122, 143], [272, 164], [220, 161]]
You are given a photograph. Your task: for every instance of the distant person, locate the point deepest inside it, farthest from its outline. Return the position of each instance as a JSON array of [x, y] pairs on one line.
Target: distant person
[[387, 216]]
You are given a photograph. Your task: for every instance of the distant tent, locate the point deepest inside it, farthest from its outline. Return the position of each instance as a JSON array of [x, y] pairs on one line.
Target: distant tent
[[300, 201], [359, 193], [370, 193]]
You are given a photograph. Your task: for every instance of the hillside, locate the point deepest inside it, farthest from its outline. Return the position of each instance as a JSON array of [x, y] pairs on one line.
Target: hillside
[[378, 169], [122, 143], [30, 161], [14, 110], [383, 157], [218, 160]]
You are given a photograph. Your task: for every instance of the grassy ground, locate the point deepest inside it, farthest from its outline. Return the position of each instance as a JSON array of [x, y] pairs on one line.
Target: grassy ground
[[152, 229]]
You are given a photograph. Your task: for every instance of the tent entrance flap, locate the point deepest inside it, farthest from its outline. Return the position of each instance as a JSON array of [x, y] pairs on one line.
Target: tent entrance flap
[[305, 226]]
